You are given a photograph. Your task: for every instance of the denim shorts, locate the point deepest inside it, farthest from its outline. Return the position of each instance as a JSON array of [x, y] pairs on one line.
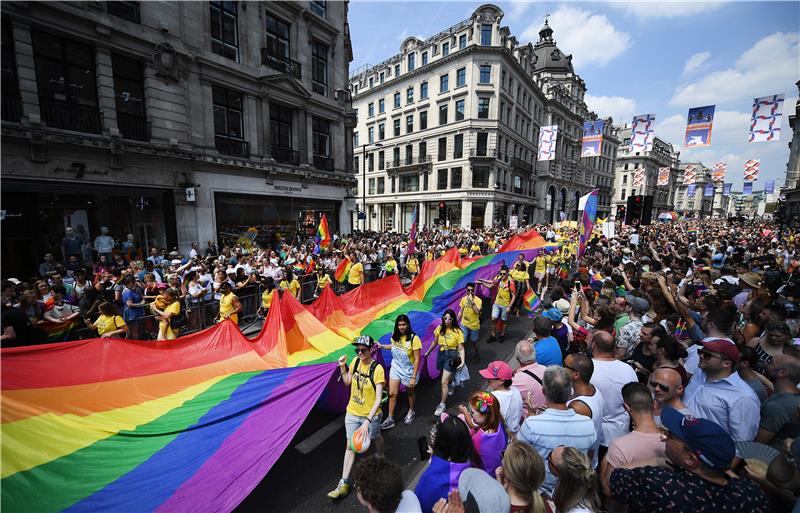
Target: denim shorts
[[353, 422], [444, 360], [499, 312], [470, 335]]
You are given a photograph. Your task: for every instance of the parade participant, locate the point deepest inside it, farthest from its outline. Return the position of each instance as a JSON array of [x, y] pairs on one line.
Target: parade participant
[[449, 339], [489, 436], [323, 281], [355, 276], [779, 413], [669, 353], [406, 348], [586, 399], [520, 277], [469, 316], [412, 265], [390, 267], [108, 324], [171, 308], [506, 293], [267, 295], [548, 351], [499, 376], [576, 491], [667, 388], [366, 380], [521, 474], [539, 272], [229, 305], [290, 283]]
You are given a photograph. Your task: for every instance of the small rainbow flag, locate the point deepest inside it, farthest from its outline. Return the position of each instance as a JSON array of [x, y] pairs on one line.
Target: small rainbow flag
[[57, 332], [343, 270], [323, 237], [312, 265], [530, 302]]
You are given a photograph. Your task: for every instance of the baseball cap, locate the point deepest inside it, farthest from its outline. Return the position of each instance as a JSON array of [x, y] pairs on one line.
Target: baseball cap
[[364, 340], [638, 304], [497, 369], [722, 346], [554, 314], [705, 438]]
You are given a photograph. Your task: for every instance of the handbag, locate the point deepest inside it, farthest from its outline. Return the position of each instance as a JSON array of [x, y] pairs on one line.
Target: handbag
[[456, 361]]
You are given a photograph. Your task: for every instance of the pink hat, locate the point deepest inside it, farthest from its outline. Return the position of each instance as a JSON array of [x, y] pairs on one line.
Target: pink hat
[[497, 370]]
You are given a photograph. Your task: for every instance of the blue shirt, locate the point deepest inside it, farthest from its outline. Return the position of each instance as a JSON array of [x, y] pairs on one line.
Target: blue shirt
[[548, 352], [730, 402], [131, 313]]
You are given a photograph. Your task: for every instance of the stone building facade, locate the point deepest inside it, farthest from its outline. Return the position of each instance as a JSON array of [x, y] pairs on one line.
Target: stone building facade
[[697, 205], [173, 121]]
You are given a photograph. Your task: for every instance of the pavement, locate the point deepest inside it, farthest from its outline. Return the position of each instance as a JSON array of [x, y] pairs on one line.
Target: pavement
[[312, 463]]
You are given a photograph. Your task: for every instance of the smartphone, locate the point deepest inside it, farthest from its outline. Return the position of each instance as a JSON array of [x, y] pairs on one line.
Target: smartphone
[[577, 286], [422, 445]]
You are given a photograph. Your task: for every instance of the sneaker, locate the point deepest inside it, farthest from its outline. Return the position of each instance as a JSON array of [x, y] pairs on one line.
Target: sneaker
[[502, 338], [388, 423], [439, 409], [491, 339], [410, 417], [476, 358], [341, 491]]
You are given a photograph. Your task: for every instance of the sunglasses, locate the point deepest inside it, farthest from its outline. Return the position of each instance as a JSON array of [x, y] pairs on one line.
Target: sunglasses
[[660, 386], [707, 355], [470, 290], [362, 350], [503, 274]]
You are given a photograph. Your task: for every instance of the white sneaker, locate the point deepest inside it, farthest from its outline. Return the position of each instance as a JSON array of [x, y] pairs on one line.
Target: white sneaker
[[410, 417], [439, 409]]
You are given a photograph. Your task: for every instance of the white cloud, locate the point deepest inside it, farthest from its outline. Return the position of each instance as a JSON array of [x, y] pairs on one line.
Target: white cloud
[[590, 38], [769, 67], [650, 9], [620, 108], [694, 62]]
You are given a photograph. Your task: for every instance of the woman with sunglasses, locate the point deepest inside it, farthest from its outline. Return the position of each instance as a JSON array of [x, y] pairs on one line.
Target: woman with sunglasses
[[366, 380], [489, 436], [449, 338], [521, 474], [406, 348]]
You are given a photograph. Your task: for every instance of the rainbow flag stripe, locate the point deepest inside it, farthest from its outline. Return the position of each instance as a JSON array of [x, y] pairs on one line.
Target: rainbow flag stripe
[[194, 424], [342, 270], [530, 302]]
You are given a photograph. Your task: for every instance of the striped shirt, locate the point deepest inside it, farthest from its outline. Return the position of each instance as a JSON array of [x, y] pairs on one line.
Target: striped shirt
[[552, 428]]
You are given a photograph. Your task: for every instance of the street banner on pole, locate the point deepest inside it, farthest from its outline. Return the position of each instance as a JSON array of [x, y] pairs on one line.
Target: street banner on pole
[[638, 177], [689, 174], [548, 135], [698, 126], [718, 172], [751, 170], [587, 222], [747, 190], [592, 138], [690, 190], [766, 122], [708, 190], [642, 130], [663, 176], [769, 187], [726, 189]]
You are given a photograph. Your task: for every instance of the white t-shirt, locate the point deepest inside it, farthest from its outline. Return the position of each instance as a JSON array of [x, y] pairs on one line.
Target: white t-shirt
[[609, 377], [409, 503], [510, 407]]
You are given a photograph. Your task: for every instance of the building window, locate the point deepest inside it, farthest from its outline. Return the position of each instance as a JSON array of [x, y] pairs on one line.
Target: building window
[[410, 95], [423, 120], [486, 74], [424, 58], [65, 77], [381, 184], [280, 123], [396, 156], [370, 110], [224, 29], [355, 139], [381, 106], [483, 108], [443, 114], [381, 78], [320, 8], [409, 183], [381, 132], [461, 77], [371, 162], [371, 186], [411, 59], [441, 181], [445, 49], [624, 179], [371, 136], [396, 100], [482, 144], [458, 146], [480, 177], [125, 10], [393, 184], [462, 41], [622, 196], [409, 124], [319, 68], [355, 163], [444, 83], [397, 127], [396, 70], [442, 153], [425, 181], [409, 153], [423, 151], [277, 38], [129, 98], [371, 82], [229, 122], [486, 35], [459, 110], [455, 178], [12, 107], [423, 90], [381, 160]]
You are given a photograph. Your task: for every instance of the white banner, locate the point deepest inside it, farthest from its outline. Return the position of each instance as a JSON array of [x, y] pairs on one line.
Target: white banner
[[548, 135]]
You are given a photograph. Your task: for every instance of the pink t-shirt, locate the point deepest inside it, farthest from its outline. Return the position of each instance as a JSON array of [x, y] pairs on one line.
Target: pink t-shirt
[[529, 387], [635, 446]]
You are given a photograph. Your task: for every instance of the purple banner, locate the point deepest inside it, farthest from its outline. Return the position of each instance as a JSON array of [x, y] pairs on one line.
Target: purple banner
[[769, 186], [690, 190], [708, 190], [747, 190], [726, 189]]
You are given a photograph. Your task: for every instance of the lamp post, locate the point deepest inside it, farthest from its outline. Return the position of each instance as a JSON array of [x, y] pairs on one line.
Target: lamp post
[[364, 179]]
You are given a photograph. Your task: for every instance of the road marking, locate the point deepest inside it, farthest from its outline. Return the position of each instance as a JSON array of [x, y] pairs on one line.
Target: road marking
[[314, 441]]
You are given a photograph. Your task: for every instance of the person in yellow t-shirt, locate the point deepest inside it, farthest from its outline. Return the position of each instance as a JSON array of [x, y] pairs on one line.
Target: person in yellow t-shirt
[[470, 318], [449, 338], [390, 267], [109, 324], [267, 295], [491, 244], [406, 363], [323, 281], [412, 264], [539, 272], [290, 283], [229, 305], [520, 277], [462, 251], [366, 380], [474, 250], [355, 276], [429, 255], [506, 293], [171, 309]]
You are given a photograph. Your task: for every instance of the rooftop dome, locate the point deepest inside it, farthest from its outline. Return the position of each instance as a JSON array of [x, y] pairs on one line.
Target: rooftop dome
[[547, 56]]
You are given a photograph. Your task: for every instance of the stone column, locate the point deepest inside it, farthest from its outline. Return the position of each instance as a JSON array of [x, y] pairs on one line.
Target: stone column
[[466, 214], [306, 153], [104, 75], [509, 210], [251, 124], [267, 134], [338, 147], [208, 126], [26, 72], [488, 215], [422, 215], [398, 211]]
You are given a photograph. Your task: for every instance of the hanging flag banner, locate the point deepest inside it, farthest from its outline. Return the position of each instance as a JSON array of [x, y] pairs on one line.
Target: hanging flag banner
[[587, 221], [726, 189], [751, 170], [663, 176], [698, 127], [769, 187], [547, 142], [592, 138], [689, 174], [690, 190], [766, 122], [718, 172], [642, 130], [638, 177], [747, 190], [708, 190]]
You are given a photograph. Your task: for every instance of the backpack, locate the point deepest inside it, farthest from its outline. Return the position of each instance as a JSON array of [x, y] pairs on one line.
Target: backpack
[[372, 367]]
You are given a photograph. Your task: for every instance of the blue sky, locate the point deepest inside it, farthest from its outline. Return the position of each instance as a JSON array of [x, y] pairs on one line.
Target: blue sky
[[640, 58]]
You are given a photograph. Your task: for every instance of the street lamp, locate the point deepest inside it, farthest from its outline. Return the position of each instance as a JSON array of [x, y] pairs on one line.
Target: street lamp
[[364, 179]]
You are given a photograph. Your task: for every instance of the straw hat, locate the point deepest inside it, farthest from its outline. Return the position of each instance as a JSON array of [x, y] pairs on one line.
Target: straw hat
[[752, 279]]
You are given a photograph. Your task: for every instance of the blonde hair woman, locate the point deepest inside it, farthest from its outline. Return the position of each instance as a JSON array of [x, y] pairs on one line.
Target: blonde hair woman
[[576, 491], [521, 474]]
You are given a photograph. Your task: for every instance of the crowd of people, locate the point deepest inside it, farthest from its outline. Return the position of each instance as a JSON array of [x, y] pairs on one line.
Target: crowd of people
[[661, 374]]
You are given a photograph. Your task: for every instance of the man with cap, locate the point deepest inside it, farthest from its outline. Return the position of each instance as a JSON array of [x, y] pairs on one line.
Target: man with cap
[[699, 452], [717, 392], [628, 336]]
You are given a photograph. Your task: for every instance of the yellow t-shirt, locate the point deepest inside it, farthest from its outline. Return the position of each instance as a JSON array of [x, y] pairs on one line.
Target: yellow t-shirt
[[324, 281], [519, 275], [469, 318], [108, 323], [163, 326], [354, 276], [412, 265], [551, 261], [292, 286], [362, 392], [462, 251], [503, 297], [492, 244], [475, 248], [266, 298], [540, 264], [409, 347], [450, 340], [391, 266], [429, 256], [226, 307]]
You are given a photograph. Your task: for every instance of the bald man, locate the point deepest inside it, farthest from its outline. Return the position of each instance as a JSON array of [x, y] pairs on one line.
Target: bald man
[[586, 398], [667, 388]]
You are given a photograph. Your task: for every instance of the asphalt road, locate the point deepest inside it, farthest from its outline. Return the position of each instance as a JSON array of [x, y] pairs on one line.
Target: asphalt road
[[301, 478]]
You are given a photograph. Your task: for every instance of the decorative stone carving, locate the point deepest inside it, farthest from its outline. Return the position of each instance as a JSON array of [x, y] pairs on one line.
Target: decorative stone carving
[[166, 62]]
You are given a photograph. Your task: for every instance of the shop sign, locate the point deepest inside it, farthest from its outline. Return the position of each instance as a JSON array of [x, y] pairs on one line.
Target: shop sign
[[288, 188]]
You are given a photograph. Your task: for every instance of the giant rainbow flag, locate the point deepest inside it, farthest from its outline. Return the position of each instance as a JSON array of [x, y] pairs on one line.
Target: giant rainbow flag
[[194, 424]]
